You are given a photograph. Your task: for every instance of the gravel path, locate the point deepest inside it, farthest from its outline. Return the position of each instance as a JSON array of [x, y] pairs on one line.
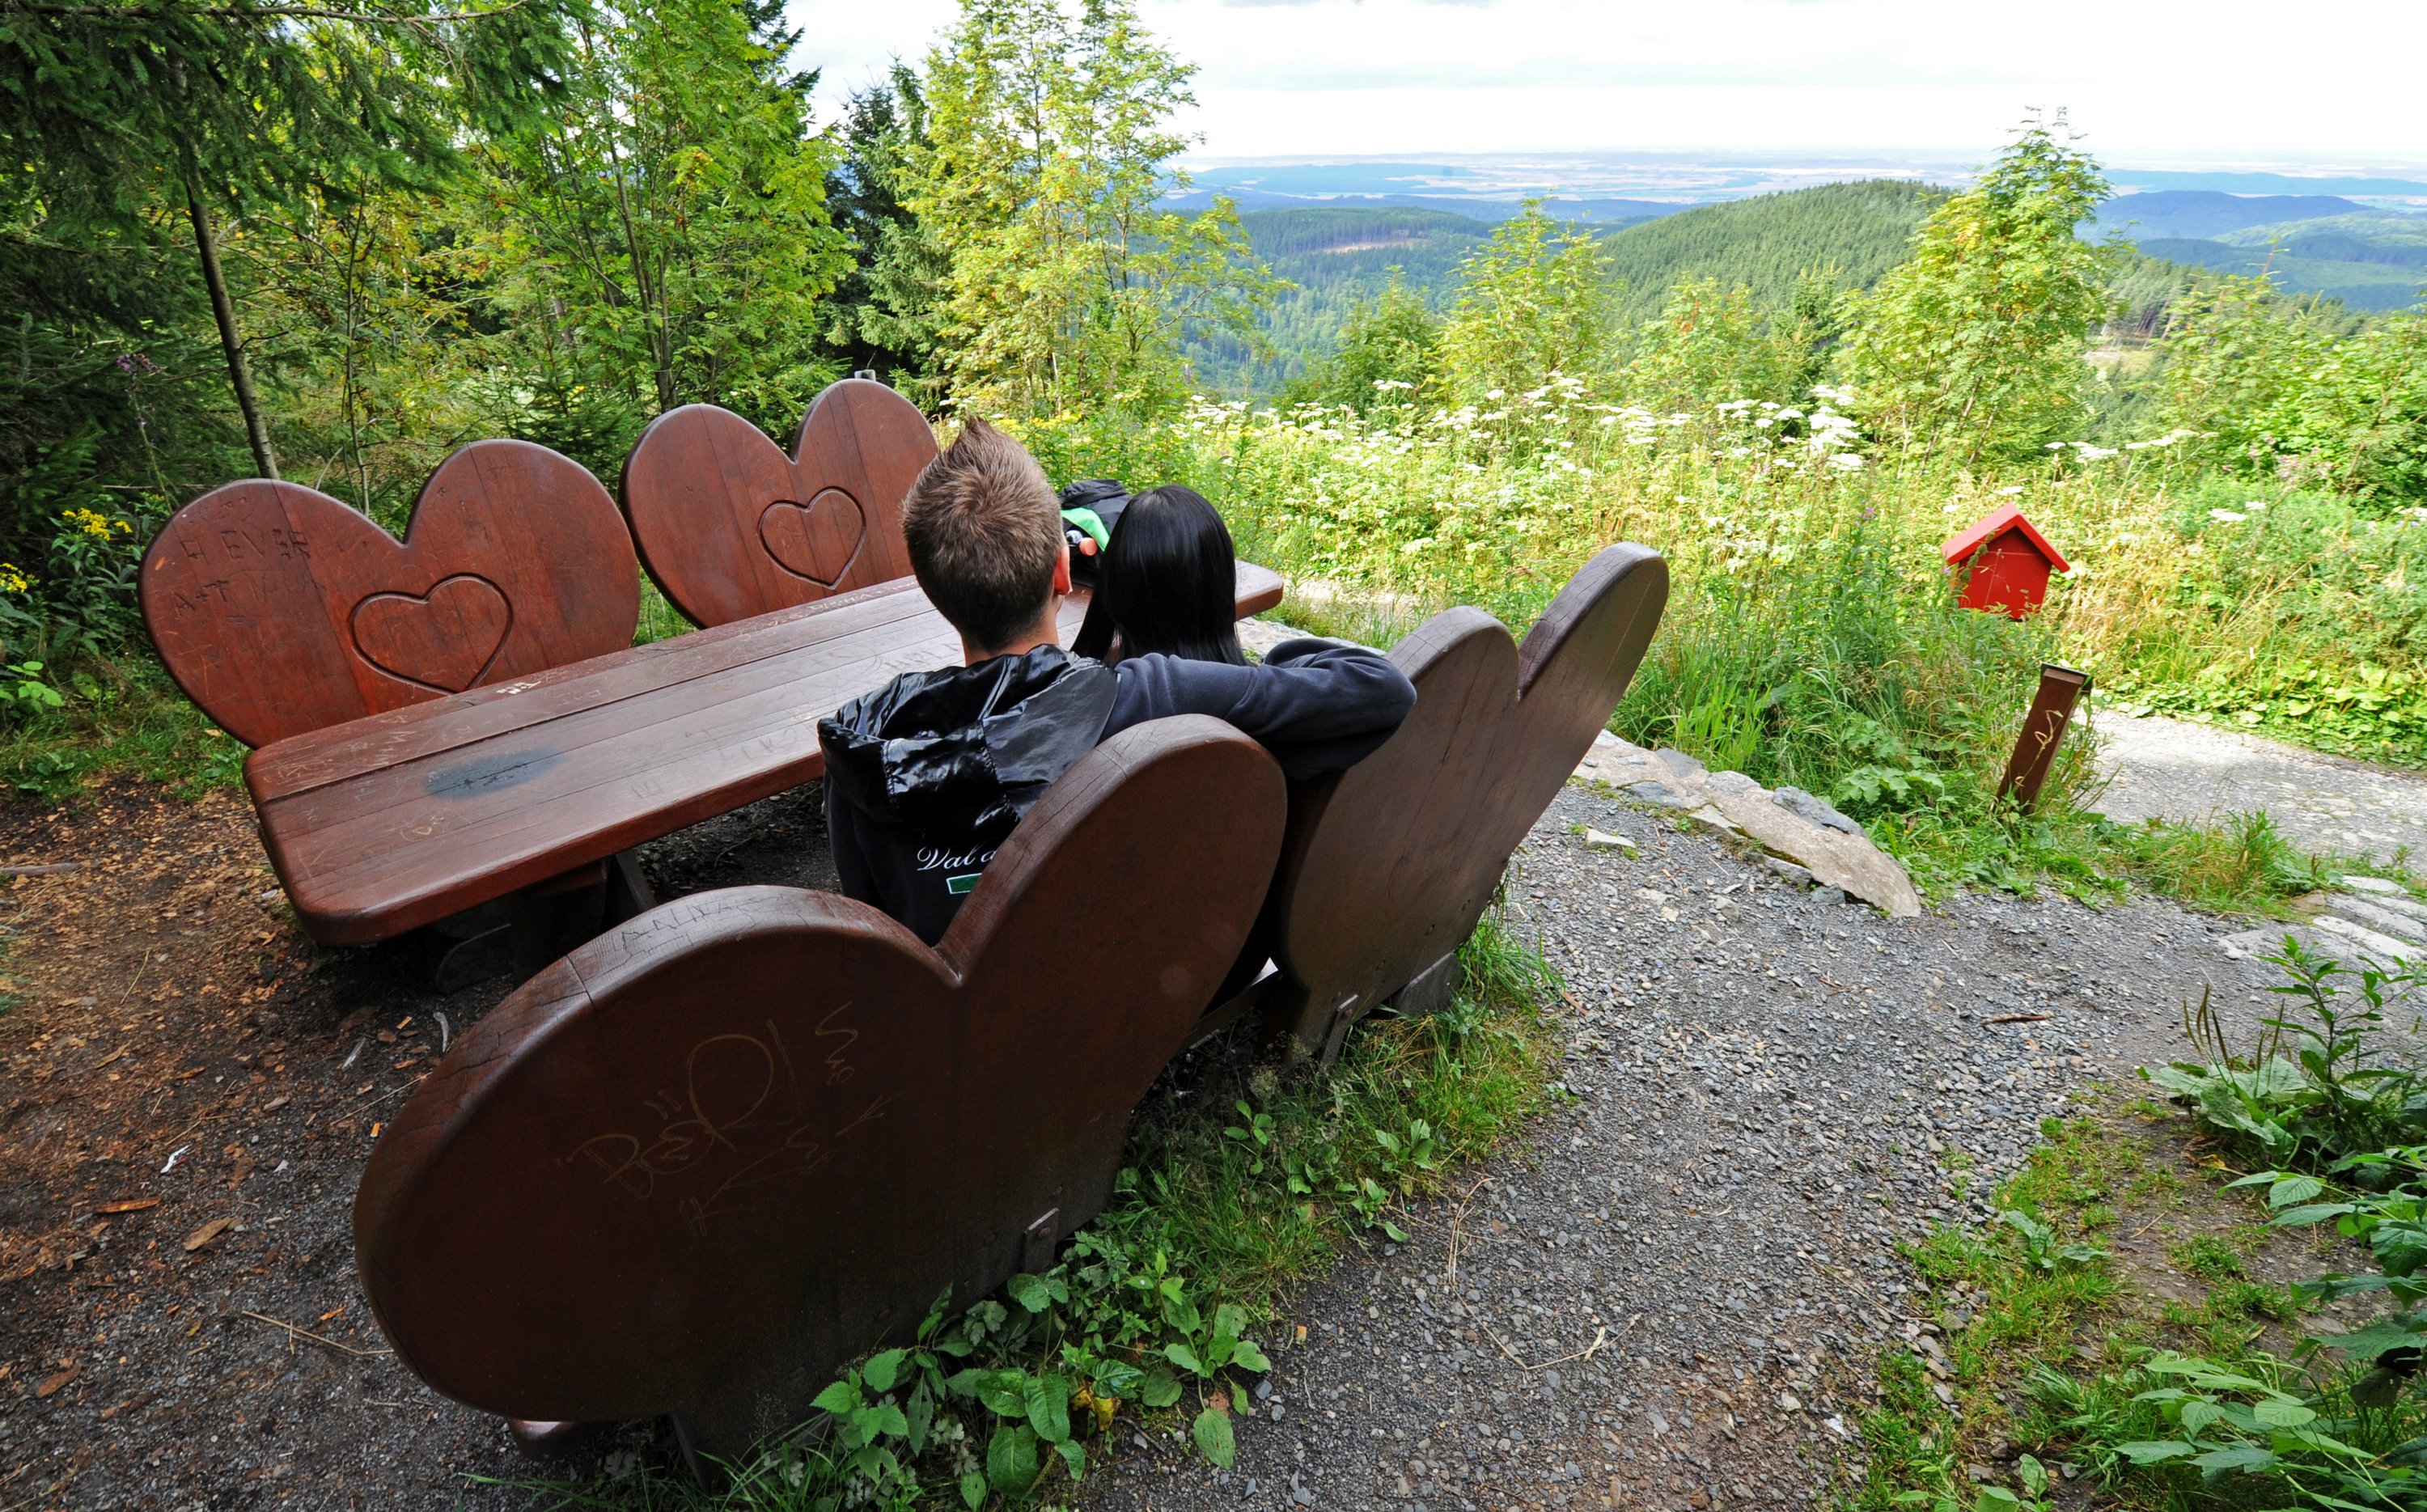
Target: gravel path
[[2170, 769], [1674, 1294]]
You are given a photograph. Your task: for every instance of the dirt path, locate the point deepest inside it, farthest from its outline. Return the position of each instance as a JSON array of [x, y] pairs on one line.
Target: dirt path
[[1758, 1081], [2195, 773], [189, 1089]]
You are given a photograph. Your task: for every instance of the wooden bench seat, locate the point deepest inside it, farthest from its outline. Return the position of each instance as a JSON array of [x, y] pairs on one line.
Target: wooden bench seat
[[732, 1143], [1389, 866], [385, 823]]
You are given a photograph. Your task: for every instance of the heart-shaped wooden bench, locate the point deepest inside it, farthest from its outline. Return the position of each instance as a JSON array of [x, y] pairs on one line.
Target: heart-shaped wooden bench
[[279, 609], [731, 527], [1389, 866], [729, 1145]]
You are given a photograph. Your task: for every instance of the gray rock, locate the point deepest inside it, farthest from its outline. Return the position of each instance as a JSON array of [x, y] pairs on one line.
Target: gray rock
[[1730, 782], [2367, 914], [1665, 795], [1819, 811], [1680, 763], [2375, 885], [1828, 895], [2395, 902], [1801, 876]]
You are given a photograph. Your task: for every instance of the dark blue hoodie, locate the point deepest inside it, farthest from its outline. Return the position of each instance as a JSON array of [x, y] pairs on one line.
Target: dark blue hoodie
[[927, 776]]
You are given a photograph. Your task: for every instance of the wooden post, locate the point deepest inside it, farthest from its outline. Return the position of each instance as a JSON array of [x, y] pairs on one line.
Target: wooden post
[[2043, 732]]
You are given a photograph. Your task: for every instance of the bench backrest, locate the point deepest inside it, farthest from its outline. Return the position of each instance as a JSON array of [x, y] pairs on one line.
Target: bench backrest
[[725, 1147], [1387, 867], [280, 609], [730, 526]]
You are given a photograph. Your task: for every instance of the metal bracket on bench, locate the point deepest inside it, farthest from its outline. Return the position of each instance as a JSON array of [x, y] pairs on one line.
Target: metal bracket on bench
[[1429, 990], [1335, 1029], [1042, 1238]]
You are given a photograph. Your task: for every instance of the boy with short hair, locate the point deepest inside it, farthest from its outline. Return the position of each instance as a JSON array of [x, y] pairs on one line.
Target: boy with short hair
[[926, 776]]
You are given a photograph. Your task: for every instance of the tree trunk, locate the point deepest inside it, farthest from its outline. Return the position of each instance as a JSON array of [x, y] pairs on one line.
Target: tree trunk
[[239, 375]]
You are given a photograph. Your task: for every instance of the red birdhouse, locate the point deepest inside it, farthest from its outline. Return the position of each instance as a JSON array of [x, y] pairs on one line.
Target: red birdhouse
[[2002, 563]]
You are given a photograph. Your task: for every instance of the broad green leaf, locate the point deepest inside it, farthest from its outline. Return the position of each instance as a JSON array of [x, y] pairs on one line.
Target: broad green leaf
[[2303, 1217], [1249, 1357], [2150, 1453], [1996, 1499], [1011, 1458], [2376, 1340], [2293, 1189], [1230, 1321], [1005, 1392], [880, 1421], [1048, 1407], [1185, 1357], [2198, 1414], [839, 1398], [882, 1371], [1213, 1434], [1161, 1389], [2283, 1414], [1029, 1292], [2034, 1475], [1074, 1455], [2249, 1458], [974, 1489]]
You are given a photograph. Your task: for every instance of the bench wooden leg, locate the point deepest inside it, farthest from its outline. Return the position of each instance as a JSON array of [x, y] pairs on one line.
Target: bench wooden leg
[[550, 920]]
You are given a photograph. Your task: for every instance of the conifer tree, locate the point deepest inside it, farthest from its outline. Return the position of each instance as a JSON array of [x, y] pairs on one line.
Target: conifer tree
[[113, 112]]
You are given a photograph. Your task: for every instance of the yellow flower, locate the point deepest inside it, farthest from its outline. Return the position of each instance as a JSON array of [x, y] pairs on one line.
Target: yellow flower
[[90, 522], [13, 579]]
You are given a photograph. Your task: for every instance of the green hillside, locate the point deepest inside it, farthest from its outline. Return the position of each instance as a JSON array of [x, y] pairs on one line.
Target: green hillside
[[2371, 283], [1335, 257], [1862, 229], [2370, 237]]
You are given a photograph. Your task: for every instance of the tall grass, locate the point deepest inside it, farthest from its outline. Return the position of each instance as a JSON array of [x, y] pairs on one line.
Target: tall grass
[[1812, 637]]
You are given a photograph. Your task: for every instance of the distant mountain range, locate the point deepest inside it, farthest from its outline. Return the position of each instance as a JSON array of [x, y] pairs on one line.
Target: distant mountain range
[[1339, 233], [2368, 258]]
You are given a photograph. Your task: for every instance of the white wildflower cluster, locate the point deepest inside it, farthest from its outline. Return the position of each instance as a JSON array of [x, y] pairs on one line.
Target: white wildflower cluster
[[2173, 437], [2084, 451]]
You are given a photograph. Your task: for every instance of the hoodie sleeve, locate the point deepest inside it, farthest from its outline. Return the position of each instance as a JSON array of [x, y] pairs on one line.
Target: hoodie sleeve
[[1317, 705]]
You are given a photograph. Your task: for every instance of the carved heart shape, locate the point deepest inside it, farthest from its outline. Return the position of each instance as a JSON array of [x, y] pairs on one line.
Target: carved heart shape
[[1393, 862], [716, 505], [280, 609], [721, 1150], [818, 540], [441, 639]]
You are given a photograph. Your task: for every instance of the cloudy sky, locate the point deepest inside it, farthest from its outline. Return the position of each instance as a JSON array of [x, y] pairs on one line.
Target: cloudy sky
[[2199, 81]]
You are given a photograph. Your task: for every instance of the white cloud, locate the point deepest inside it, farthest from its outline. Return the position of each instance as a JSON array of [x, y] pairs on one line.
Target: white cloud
[[1289, 78]]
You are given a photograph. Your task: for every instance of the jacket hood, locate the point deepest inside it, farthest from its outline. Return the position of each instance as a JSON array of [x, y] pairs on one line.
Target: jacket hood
[[966, 750]]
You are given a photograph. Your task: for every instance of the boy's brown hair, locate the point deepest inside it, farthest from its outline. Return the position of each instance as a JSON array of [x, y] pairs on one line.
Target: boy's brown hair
[[984, 529]]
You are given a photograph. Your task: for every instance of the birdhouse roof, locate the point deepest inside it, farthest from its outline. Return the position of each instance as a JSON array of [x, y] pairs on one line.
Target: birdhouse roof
[[2006, 517]]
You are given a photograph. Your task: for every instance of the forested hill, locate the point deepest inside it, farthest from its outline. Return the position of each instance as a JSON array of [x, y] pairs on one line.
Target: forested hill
[[1859, 230], [1336, 257], [1339, 256]]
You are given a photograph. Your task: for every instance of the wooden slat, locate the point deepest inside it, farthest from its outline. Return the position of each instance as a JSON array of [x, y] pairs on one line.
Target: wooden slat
[[386, 823]]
